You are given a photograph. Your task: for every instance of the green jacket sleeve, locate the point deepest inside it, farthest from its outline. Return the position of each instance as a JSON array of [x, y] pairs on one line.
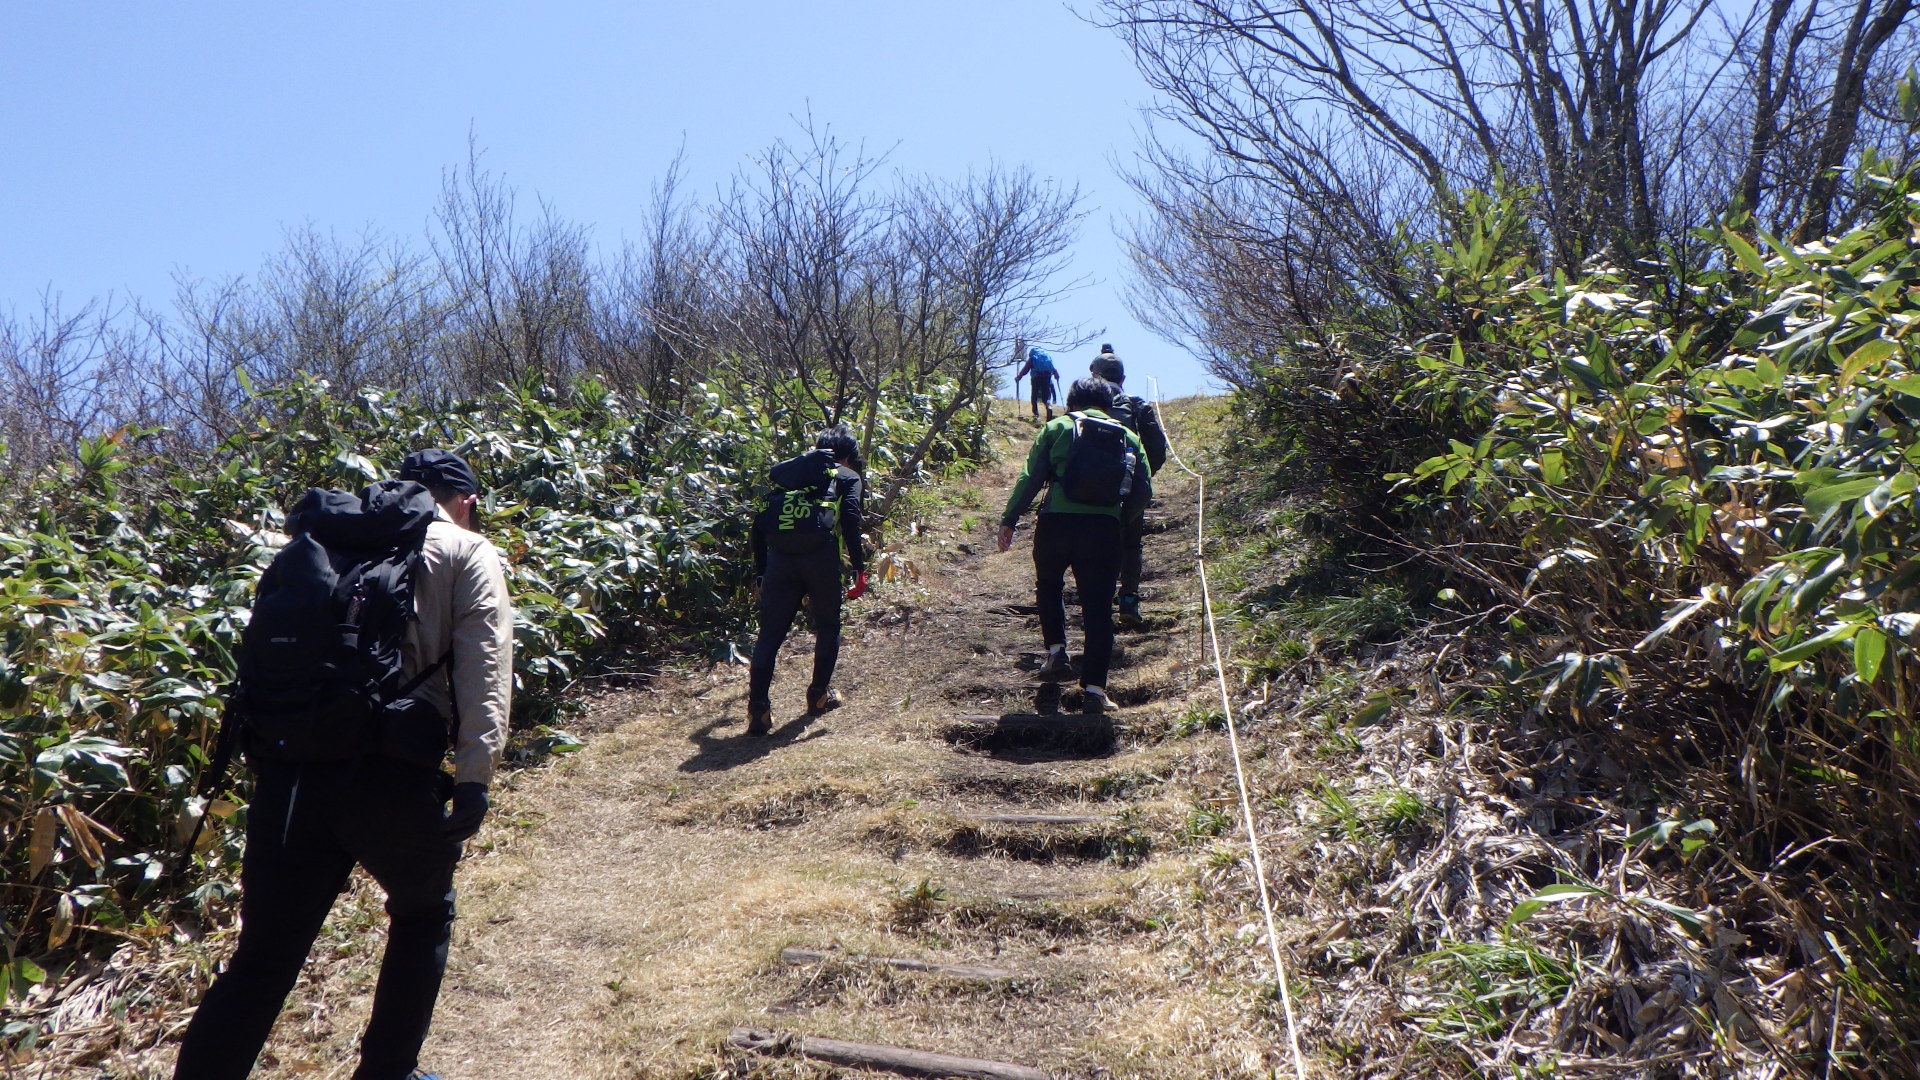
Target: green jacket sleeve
[[1033, 476]]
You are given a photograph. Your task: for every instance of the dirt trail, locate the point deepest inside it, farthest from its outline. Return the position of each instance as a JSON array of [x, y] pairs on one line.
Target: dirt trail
[[627, 907]]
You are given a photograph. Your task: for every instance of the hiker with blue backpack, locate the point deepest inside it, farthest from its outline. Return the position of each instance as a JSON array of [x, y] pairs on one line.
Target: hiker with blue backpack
[[1097, 480], [381, 639], [811, 519], [1042, 379]]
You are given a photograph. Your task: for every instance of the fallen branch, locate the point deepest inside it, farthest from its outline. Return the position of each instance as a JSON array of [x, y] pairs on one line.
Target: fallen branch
[[965, 971], [871, 1056]]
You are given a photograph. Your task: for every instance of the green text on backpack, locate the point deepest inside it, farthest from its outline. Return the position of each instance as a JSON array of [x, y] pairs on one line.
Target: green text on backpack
[[808, 510]]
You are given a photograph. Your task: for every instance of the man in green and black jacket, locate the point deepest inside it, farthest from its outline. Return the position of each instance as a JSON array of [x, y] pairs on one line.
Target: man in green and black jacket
[[1090, 539]]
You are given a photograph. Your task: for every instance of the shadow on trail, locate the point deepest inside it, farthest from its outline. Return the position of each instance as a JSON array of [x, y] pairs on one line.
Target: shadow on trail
[[719, 753]]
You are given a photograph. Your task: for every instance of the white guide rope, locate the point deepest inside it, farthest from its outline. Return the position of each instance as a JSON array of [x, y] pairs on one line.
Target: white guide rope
[[1233, 741]]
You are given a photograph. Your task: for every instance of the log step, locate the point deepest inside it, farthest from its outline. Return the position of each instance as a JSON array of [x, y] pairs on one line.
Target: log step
[[1034, 730], [872, 1056], [965, 971], [1039, 819]]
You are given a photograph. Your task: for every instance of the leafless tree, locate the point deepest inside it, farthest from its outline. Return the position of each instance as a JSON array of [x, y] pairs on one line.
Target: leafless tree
[[519, 294], [834, 292], [1336, 131], [816, 289], [989, 253], [654, 307], [801, 233], [64, 376]]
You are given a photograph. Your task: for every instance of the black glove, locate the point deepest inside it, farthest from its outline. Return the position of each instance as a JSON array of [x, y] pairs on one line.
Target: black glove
[[469, 809]]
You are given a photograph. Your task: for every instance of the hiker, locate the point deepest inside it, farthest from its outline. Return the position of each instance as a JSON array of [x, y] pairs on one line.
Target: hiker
[[381, 637], [817, 511], [1042, 378], [1098, 479], [1144, 420]]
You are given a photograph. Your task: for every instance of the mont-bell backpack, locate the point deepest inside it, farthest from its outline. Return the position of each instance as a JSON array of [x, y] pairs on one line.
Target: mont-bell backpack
[[320, 660], [1100, 462], [803, 509]]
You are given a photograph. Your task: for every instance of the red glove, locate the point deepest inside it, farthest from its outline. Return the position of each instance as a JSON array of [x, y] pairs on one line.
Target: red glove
[[859, 587]]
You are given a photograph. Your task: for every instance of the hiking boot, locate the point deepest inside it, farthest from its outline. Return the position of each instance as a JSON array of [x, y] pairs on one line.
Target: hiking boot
[[1126, 613], [823, 701], [1094, 700], [1057, 667], [759, 719]]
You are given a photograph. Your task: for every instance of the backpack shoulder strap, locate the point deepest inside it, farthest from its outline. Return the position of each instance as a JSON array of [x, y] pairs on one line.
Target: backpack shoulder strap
[[419, 679]]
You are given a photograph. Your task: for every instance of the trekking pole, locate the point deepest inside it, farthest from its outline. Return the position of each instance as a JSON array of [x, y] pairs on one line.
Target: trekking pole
[[215, 775]]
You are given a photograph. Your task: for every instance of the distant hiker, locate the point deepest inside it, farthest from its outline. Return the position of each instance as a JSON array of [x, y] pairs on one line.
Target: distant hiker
[[816, 512], [1144, 420], [1098, 479], [1042, 378], [381, 637]]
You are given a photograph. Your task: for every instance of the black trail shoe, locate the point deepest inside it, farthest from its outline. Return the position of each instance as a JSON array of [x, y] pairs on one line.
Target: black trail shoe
[[759, 719], [821, 701], [1094, 700], [1057, 668]]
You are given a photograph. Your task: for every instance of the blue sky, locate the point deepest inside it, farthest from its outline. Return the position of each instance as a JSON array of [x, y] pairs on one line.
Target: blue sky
[[138, 139]]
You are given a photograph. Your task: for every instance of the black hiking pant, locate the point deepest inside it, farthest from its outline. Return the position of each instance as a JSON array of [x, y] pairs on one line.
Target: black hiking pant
[[1040, 393], [1091, 545], [814, 575], [306, 828]]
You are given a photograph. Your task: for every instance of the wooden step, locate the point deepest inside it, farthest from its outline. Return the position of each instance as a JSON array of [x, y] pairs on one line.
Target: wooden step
[[1015, 731], [965, 971], [872, 1056], [1039, 819]]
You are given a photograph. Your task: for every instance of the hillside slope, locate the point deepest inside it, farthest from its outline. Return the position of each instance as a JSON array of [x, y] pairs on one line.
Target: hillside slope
[[627, 908]]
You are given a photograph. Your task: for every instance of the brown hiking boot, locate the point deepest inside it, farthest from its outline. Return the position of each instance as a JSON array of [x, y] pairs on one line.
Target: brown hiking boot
[[823, 701], [759, 719]]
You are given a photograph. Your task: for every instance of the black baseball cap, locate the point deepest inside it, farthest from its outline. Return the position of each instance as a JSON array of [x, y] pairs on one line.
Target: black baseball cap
[[440, 469]]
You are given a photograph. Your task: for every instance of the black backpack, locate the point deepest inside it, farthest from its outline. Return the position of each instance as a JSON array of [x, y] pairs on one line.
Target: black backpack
[[1099, 466], [320, 660], [803, 510]]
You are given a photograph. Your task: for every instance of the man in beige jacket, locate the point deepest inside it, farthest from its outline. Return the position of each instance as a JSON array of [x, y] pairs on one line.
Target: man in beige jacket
[[386, 808]]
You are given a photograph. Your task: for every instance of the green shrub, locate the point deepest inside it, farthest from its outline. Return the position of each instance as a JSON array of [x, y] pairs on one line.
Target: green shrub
[[127, 577], [1691, 513]]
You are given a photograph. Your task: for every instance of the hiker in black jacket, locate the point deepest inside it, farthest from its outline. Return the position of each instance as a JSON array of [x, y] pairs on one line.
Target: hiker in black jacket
[[1144, 420], [817, 510]]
